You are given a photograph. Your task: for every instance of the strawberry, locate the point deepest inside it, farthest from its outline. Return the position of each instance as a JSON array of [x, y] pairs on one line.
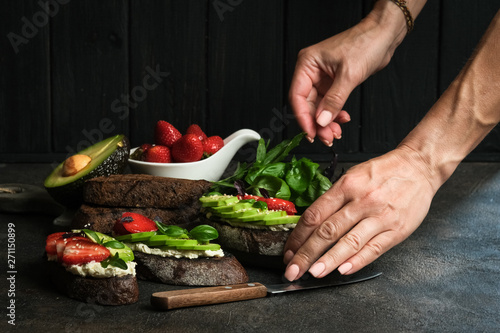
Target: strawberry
[[249, 196], [188, 148], [212, 145], [195, 129], [61, 243], [77, 252], [281, 204], [273, 203], [131, 223], [158, 154], [166, 134], [50, 243]]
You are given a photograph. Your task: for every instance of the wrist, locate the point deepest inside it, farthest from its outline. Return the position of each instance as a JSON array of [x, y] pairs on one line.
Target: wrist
[[389, 20]]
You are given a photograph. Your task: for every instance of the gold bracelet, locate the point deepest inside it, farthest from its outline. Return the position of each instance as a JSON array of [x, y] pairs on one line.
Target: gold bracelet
[[409, 19]]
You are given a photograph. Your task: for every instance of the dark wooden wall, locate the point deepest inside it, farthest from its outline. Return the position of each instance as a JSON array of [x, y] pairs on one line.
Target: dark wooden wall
[[85, 70]]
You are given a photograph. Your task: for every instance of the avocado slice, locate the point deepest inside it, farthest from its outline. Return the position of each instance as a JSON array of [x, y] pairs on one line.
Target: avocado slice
[[107, 157], [113, 245], [263, 216], [199, 247], [218, 200], [232, 207], [286, 219], [136, 237]]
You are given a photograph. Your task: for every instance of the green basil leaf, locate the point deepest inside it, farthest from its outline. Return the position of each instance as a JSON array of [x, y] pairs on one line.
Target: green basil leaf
[[114, 261], [171, 230], [260, 205], [281, 150], [275, 186], [319, 185], [300, 175], [114, 244], [261, 151], [204, 233]]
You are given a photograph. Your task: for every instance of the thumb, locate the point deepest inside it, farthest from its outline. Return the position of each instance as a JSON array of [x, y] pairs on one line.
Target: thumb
[[333, 101]]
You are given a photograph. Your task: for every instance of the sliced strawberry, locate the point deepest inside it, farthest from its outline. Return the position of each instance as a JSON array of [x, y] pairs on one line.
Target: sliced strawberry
[[158, 154], [249, 196], [131, 223], [166, 134], [196, 130], [188, 148], [212, 145], [62, 241], [50, 243], [281, 204], [77, 252]]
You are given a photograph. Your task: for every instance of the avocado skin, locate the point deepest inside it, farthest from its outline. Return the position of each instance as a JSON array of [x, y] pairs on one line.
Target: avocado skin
[[71, 194]]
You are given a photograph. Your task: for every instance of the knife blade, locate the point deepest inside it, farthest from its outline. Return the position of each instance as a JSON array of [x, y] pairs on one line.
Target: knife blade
[[173, 299]]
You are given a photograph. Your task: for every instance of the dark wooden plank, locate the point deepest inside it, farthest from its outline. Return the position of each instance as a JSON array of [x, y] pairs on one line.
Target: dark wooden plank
[[307, 23], [396, 98], [245, 66], [89, 61], [464, 22], [24, 83], [170, 38]]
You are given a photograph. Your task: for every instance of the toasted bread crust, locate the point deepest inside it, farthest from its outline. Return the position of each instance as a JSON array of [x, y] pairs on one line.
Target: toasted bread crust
[[190, 272], [105, 291], [138, 190], [255, 241], [102, 219]]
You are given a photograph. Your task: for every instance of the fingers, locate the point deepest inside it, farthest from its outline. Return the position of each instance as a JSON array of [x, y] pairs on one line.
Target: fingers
[[300, 95], [330, 110], [354, 250], [324, 207]]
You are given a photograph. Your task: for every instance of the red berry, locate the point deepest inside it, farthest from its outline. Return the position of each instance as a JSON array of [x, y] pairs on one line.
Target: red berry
[[188, 148], [77, 252], [158, 154], [50, 243], [61, 243], [131, 223], [212, 145], [166, 134], [195, 129], [281, 204]]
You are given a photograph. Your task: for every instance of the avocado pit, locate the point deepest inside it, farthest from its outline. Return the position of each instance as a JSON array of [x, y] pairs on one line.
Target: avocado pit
[[75, 163]]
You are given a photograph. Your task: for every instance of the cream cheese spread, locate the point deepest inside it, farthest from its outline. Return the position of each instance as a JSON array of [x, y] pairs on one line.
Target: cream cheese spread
[[190, 254], [95, 269]]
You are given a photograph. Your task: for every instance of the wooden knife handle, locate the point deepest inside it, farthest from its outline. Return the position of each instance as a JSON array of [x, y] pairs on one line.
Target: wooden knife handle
[[166, 300]]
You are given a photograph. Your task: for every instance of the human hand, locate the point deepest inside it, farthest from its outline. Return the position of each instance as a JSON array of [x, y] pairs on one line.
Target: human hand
[[373, 207], [326, 73]]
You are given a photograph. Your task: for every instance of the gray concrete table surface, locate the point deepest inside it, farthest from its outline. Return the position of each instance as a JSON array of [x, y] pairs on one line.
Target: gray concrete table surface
[[444, 278]]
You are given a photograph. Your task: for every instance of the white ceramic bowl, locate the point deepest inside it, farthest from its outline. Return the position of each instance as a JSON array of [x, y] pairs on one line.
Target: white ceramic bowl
[[210, 169]]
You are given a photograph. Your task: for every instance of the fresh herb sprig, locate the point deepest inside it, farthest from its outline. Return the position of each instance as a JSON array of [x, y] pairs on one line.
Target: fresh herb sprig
[[202, 233], [299, 181]]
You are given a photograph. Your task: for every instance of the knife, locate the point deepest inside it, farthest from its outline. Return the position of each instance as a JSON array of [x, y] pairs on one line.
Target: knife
[[173, 299]]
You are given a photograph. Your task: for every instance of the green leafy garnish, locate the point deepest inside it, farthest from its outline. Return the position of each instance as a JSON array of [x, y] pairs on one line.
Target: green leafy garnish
[[203, 233], [299, 181], [114, 261], [171, 230]]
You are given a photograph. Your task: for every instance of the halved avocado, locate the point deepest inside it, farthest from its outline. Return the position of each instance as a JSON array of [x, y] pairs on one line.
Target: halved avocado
[[107, 157]]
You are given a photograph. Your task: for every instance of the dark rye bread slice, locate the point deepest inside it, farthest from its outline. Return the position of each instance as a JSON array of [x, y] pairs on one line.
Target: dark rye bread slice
[[138, 190], [104, 291], [254, 241], [190, 272], [102, 219]]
